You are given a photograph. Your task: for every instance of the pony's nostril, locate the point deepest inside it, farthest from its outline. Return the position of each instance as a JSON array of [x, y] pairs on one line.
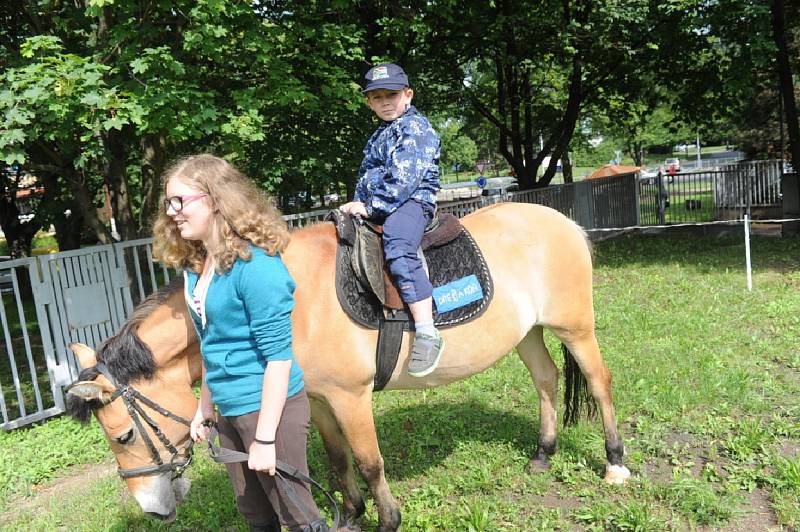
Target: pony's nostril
[[165, 518]]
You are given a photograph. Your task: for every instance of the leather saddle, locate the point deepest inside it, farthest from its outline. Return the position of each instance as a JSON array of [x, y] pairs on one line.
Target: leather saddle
[[369, 296], [367, 258]]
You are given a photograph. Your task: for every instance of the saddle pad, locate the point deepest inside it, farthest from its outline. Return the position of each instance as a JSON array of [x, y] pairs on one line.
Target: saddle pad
[[458, 259]]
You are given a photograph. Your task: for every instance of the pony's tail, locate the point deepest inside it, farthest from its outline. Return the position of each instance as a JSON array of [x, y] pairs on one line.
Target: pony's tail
[[576, 391]]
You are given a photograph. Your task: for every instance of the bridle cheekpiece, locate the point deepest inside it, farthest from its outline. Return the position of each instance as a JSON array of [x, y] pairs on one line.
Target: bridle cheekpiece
[[131, 398]]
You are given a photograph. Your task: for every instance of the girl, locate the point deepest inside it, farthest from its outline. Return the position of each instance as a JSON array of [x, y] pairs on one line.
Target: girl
[[226, 235]]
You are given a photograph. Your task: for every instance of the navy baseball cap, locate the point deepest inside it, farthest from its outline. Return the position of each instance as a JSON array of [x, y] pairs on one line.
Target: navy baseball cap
[[386, 76]]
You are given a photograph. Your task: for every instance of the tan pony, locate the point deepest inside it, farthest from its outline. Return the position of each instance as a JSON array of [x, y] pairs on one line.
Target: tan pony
[[542, 271]]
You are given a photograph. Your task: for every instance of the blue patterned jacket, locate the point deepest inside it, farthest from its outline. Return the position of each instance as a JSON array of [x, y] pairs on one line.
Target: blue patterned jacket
[[401, 162]]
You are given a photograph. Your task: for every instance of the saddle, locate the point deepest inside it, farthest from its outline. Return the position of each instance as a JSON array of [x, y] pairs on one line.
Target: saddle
[[367, 257], [366, 291]]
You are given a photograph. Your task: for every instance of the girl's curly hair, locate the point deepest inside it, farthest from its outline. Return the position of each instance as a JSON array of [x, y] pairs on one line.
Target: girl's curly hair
[[244, 214]]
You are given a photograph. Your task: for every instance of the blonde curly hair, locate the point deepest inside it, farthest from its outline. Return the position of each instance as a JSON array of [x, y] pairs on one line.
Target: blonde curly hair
[[244, 214]]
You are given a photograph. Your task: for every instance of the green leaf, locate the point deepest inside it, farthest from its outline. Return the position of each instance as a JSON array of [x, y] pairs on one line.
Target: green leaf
[[139, 66], [14, 157], [94, 99], [115, 122]]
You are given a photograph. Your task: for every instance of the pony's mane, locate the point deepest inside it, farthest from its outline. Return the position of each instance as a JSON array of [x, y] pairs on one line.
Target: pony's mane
[[125, 355]]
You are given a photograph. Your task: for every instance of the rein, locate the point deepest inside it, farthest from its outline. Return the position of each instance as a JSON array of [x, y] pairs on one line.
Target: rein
[[178, 464], [221, 455]]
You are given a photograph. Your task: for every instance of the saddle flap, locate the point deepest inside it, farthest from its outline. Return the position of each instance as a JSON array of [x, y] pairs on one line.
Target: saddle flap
[[345, 226], [368, 261]]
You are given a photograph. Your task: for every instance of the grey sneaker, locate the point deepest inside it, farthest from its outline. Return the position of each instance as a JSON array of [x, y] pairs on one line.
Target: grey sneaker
[[425, 354]]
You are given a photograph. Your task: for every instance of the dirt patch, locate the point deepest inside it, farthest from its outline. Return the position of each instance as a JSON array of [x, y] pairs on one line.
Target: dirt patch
[[74, 479], [757, 515], [565, 502], [790, 449]]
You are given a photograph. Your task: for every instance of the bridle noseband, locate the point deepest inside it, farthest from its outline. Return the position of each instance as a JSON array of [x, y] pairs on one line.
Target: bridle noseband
[[177, 463]]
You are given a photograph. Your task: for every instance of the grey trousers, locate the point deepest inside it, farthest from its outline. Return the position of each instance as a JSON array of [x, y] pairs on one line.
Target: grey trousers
[[261, 498]]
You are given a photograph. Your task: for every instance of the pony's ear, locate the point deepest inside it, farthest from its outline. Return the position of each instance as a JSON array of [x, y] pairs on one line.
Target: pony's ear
[[85, 355], [99, 390]]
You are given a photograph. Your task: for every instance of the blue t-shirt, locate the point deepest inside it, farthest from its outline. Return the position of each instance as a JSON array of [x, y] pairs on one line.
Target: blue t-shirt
[[401, 162], [247, 324]]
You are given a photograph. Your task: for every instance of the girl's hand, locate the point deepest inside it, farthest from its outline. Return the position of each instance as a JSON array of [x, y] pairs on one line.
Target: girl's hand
[[197, 430], [262, 457], [354, 208]]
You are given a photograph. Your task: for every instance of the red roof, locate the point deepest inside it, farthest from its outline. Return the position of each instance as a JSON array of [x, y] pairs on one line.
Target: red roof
[[608, 170]]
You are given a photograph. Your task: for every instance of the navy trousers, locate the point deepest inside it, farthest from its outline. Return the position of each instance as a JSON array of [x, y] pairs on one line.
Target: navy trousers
[[402, 235]]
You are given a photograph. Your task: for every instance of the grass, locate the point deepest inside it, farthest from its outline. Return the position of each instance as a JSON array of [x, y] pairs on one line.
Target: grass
[[42, 243], [706, 380]]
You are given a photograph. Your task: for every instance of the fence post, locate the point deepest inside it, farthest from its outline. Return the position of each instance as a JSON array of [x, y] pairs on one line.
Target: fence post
[[749, 179], [584, 212], [662, 193]]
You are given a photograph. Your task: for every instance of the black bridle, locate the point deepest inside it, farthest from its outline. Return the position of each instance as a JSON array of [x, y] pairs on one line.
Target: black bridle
[[178, 461]]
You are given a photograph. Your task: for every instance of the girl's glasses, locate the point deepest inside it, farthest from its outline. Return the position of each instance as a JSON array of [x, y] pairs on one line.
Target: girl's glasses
[[179, 202]]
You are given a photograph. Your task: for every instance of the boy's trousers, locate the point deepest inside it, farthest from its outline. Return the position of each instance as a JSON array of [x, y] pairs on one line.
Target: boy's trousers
[[402, 235]]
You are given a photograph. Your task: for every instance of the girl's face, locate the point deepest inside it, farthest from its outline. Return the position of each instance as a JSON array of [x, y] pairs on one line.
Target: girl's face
[[389, 105], [193, 212]]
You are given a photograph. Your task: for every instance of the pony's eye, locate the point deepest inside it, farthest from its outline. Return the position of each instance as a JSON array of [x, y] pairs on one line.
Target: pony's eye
[[125, 438]]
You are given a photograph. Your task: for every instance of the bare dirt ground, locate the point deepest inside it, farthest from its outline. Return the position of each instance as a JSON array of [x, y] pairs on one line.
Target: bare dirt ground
[[73, 479]]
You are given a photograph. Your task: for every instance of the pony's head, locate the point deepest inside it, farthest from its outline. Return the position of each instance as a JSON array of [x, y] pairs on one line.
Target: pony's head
[[151, 448]]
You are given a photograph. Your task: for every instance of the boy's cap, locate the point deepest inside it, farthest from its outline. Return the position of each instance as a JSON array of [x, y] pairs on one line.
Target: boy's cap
[[386, 76]]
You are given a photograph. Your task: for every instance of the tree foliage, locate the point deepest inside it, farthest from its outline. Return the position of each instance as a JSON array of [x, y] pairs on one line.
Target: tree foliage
[[98, 96]]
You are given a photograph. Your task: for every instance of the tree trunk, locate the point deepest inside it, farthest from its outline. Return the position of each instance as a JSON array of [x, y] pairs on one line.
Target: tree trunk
[[568, 122], [49, 156], [575, 97], [117, 179], [87, 207], [566, 166], [154, 158], [786, 82]]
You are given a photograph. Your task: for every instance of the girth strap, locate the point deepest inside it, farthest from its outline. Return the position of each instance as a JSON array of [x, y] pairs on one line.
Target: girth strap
[[390, 337]]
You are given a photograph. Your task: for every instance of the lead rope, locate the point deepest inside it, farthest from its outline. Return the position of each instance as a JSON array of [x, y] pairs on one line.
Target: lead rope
[[221, 455]]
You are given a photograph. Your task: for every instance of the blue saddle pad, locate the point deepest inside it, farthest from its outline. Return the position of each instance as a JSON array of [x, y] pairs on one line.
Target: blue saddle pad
[[462, 285]]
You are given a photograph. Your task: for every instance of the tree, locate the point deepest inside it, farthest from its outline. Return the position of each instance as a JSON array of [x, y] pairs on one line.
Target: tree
[[458, 150], [528, 69], [786, 82], [100, 97]]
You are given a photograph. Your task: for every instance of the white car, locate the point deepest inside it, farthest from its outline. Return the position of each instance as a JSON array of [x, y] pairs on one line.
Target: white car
[[672, 161], [648, 173]]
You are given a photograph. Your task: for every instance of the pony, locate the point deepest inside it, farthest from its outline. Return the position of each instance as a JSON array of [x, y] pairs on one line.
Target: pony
[[541, 267]]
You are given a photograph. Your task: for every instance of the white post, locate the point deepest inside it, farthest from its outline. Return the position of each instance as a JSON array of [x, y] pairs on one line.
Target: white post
[[747, 253], [699, 164]]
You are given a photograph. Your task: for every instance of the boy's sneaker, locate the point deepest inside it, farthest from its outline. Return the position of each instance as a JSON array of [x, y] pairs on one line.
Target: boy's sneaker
[[425, 354]]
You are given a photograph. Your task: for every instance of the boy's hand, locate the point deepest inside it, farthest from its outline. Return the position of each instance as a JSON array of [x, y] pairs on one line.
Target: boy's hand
[[354, 208]]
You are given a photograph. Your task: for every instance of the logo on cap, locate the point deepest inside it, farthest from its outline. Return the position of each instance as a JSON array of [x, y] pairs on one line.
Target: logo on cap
[[380, 72]]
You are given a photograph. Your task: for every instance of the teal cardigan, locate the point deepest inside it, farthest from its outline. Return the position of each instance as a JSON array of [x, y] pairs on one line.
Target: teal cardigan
[[247, 324]]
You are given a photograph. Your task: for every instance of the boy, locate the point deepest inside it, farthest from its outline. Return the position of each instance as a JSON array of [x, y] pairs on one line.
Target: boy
[[397, 186]]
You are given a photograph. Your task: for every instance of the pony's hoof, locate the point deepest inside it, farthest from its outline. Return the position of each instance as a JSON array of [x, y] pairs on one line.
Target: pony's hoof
[[538, 465], [348, 527], [617, 474]]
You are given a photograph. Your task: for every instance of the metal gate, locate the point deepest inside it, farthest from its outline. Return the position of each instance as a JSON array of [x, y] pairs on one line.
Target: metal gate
[[51, 301]]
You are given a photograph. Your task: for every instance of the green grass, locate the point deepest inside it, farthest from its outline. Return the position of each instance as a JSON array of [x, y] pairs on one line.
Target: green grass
[[42, 243], [706, 380]]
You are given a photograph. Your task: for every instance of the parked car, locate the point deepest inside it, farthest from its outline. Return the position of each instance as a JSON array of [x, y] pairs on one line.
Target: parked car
[[648, 173], [672, 161], [497, 186]]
